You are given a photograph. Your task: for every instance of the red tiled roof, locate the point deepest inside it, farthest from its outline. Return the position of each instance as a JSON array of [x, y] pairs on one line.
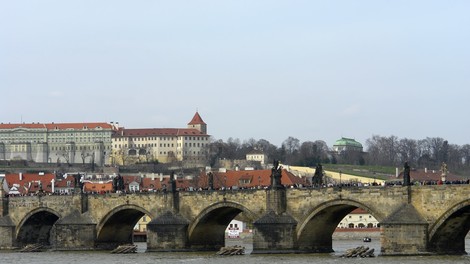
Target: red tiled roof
[[429, 175], [29, 182], [256, 177], [60, 126], [99, 187], [359, 211], [197, 120]]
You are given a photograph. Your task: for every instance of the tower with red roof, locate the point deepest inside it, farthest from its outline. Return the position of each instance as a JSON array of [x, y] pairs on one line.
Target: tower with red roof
[[198, 123]]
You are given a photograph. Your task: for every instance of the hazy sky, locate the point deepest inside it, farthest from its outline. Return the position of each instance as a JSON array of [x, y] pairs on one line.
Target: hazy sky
[[313, 70]]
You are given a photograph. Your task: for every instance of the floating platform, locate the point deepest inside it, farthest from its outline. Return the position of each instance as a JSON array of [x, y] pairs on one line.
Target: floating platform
[[230, 251], [359, 252], [125, 249], [32, 248]]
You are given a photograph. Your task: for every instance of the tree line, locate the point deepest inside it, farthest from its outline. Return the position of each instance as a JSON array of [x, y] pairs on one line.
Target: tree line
[[378, 151]]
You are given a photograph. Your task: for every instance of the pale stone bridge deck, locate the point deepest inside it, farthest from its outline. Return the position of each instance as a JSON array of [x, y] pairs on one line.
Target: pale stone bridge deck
[[414, 219]]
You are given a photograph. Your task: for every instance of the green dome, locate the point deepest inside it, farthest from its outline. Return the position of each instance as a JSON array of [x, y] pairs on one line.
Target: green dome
[[347, 142]]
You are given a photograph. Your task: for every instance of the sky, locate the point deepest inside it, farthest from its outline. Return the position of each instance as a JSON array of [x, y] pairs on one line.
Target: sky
[[312, 70]]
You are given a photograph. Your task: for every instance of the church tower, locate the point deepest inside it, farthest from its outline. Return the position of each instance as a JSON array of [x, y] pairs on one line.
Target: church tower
[[198, 123]]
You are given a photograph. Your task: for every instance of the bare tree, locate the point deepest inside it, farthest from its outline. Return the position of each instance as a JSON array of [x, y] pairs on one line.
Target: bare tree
[[291, 146]]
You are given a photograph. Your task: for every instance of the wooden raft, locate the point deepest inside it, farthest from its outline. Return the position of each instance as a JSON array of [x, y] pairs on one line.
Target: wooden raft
[[125, 249], [359, 252], [32, 248], [230, 251]]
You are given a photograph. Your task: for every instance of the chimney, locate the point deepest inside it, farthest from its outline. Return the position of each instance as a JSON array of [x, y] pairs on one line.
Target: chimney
[[161, 176], [21, 176], [52, 185]]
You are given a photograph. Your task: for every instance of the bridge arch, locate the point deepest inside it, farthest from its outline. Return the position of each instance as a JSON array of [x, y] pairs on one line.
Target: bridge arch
[[207, 231], [117, 226], [36, 226], [314, 233], [447, 234]]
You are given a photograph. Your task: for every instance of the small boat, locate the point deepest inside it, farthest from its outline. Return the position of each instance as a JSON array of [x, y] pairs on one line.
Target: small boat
[[366, 239]]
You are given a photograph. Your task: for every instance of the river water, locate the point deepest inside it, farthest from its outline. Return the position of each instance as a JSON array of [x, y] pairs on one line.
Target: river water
[[142, 257]]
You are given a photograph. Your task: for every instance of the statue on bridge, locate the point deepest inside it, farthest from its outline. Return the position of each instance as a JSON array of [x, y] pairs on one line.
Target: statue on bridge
[[276, 175], [172, 182], [118, 184], [406, 175], [317, 179], [211, 180], [444, 172], [77, 178]]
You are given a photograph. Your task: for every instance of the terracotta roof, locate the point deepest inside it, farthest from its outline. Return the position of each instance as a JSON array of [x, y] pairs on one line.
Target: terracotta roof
[[29, 182], [429, 175], [197, 120], [99, 187], [359, 211], [60, 126], [146, 132], [256, 177]]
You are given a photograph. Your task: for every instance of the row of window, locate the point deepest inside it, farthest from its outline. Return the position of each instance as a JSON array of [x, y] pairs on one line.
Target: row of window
[[360, 225], [162, 145], [79, 148], [160, 138]]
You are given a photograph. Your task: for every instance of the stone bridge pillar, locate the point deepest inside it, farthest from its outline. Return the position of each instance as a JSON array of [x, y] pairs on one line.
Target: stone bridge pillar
[[76, 231], [275, 230], [7, 228], [168, 231], [405, 232]]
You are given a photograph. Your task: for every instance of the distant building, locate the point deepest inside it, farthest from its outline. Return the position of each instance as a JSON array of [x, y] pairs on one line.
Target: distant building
[[359, 218], [56, 142], [162, 144], [235, 228], [256, 155], [347, 144]]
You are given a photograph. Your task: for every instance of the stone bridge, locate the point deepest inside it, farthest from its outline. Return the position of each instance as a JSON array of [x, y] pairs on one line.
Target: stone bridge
[[414, 219]]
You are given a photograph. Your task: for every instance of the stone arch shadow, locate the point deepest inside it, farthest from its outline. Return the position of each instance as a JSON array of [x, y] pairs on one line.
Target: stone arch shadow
[[116, 227], [447, 234], [207, 231], [36, 227], [314, 232]]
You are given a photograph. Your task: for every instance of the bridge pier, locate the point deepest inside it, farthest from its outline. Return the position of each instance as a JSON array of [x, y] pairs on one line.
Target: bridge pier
[[274, 233], [7, 229], [405, 232], [167, 232], [275, 230], [73, 232]]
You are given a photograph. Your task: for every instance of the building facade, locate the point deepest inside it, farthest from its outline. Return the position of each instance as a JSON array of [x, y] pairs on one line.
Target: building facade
[[257, 155], [56, 142], [359, 218], [161, 144]]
